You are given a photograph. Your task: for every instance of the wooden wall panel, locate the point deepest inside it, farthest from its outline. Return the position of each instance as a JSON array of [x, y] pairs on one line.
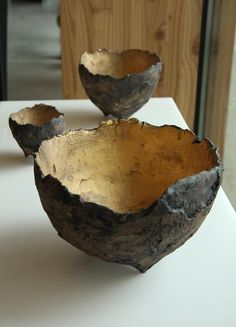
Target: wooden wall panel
[[169, 27]]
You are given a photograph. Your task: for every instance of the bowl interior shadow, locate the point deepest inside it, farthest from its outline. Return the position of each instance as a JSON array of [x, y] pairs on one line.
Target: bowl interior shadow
[[118, 64], [123, 165], [37, 115]]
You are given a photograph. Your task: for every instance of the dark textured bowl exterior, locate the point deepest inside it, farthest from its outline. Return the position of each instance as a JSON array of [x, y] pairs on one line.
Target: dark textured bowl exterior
[[120, 97], [137, 239], [29, 137]]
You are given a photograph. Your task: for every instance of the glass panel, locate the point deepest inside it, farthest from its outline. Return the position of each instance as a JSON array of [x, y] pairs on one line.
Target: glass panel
[[229, 182]]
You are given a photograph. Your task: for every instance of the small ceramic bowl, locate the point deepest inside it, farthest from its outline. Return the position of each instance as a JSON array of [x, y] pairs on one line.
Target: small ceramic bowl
[[31, 126], [119, 83], [127, 192]]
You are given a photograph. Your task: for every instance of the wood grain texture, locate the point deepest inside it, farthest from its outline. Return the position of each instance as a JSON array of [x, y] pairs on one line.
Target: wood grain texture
[[170, 28], [220, 71]]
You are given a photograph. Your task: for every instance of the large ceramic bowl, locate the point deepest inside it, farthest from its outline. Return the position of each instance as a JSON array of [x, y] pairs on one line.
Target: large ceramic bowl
[[32, 125], [119, 83], [127, 192]]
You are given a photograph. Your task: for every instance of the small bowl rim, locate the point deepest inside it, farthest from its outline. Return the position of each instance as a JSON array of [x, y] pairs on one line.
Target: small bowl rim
[[158, 64], [61, 115]]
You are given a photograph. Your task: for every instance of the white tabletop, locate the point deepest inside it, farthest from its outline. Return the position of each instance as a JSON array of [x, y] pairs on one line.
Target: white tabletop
[[44, 281]]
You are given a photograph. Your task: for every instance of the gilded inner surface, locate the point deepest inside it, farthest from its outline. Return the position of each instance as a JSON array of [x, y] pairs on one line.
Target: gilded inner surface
[[38, 115], [118, 64], [124, 165]]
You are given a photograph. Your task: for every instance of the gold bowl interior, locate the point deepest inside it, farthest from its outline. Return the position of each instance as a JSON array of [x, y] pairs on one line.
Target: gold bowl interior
[[124, 165], [37, 115], [118, 65]]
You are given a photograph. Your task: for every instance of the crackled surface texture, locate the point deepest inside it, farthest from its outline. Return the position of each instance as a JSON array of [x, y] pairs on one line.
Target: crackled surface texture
[[119, 83], [30, 126], [127, 192]]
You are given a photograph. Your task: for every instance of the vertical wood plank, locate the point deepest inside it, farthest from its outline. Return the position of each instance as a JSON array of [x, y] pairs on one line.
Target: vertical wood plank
[[169, 27]]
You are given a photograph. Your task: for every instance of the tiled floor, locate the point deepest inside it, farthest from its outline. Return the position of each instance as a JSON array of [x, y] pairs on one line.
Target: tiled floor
[[34, 71], [34, 66]]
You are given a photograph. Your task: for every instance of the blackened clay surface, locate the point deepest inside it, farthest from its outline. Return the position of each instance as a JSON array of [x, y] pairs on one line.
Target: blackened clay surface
[[134, 204], [31, 126], [119, 83]]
